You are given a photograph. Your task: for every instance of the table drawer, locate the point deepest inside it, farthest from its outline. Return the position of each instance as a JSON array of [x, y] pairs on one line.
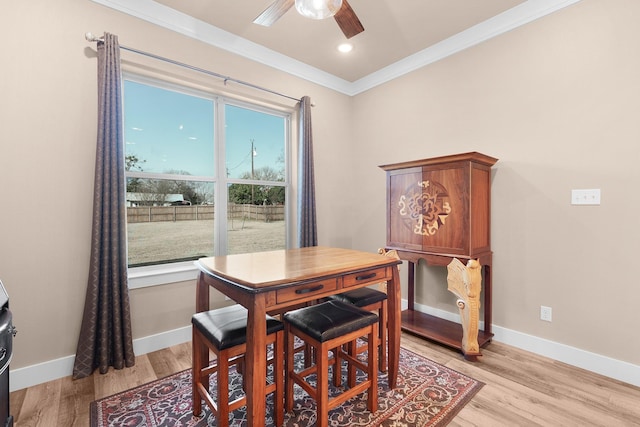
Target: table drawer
[[303, 291], [370, 276]]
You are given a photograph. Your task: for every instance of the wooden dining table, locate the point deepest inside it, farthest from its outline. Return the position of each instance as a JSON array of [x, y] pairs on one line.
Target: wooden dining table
[[277, 281]]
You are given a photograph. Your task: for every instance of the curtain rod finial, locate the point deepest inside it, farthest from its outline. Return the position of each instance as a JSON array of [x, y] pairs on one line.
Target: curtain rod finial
[[91, 37]]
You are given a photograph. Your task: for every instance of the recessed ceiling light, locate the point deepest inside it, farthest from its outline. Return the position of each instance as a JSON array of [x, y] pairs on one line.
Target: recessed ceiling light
[[345, 47]]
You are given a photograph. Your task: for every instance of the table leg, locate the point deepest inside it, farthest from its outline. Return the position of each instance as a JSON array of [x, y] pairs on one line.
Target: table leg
[[202, 304], [202, 293], [256, 361], [394, 301]]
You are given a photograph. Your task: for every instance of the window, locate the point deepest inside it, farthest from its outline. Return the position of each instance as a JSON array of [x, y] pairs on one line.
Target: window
[[205, 175]]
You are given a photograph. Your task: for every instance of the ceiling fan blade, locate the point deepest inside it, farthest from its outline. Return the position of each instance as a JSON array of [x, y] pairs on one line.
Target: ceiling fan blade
[[348, 21], [273, 12]]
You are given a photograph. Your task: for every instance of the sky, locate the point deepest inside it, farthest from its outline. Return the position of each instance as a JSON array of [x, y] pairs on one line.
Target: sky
[[173, 131]]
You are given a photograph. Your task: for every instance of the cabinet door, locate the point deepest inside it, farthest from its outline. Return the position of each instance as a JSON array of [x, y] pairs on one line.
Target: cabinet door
[[445, 212], [404, 209], [441, 205]]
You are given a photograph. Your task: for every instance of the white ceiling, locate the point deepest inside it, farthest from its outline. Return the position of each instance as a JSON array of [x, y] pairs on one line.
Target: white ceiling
[[399, 36]]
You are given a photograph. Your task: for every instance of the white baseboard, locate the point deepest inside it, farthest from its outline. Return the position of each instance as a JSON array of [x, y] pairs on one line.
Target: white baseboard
[[623, 371], [603, 365], [59, 368]]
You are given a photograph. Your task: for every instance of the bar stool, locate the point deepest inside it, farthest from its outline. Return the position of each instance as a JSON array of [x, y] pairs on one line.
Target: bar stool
[[224, 332], [327, 327], [370, 299]]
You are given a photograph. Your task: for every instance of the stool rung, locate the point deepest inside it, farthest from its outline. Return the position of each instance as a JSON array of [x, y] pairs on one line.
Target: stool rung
[[343, 397], [307, 371], [304, 384], [355, 362]]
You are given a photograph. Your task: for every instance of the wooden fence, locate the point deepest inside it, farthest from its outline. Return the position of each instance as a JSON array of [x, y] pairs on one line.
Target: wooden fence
[[266, 213]]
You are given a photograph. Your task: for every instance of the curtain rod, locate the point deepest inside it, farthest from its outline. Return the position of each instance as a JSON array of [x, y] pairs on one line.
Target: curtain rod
[[93, 38]]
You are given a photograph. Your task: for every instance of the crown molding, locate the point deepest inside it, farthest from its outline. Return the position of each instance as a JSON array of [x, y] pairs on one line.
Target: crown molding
[[187, 25], [513, 18], [184, 24]]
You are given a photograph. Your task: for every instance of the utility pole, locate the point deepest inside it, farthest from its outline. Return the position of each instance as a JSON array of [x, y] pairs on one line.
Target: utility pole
[[253, 154]]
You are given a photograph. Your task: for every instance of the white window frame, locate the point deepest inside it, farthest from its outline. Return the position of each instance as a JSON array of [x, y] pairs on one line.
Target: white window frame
[[161, 274]]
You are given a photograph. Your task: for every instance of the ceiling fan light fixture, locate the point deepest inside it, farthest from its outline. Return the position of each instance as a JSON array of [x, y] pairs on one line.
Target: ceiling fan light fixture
[[345, 47], [318, 9]]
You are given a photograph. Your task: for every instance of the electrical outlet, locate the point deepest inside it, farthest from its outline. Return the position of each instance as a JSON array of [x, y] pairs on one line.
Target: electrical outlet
[[545, 313]]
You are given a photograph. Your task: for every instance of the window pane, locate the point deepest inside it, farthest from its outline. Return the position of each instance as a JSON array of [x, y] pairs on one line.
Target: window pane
[[168, 131], [171, 141], [256, 228], [255, 144], [168, 221]]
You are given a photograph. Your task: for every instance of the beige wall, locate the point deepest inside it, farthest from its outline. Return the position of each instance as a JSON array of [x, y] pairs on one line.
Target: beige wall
[[555, 101]]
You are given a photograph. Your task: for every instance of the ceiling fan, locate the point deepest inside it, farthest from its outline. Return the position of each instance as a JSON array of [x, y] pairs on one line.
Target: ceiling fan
[[340, 10]]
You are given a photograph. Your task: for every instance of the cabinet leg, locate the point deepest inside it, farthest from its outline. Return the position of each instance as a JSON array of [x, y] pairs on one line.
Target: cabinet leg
[[411, 285], [465, 282]]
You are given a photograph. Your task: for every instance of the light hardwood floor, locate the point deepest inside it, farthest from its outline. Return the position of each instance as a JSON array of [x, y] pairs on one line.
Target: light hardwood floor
[[522, 389]]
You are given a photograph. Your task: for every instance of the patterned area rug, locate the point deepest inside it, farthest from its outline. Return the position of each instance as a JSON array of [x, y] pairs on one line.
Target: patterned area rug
[[427, 394]]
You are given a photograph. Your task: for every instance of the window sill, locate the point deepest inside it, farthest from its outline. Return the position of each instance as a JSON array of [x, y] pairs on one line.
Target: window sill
[[155, 275]]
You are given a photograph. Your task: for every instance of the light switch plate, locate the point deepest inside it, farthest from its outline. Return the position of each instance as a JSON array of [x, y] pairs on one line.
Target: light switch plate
[[585, 197]]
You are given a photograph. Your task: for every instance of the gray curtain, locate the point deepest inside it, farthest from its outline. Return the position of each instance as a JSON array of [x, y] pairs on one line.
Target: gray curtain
[[307, 228], [105, 335]]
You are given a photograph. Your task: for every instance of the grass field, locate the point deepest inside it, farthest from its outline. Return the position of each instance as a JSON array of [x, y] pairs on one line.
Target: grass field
[[156, 241]]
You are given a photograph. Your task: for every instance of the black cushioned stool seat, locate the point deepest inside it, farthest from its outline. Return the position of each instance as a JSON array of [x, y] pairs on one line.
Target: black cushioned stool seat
[[360, 297], [370, 299], [227, 327], [327, 327], [224, 332]]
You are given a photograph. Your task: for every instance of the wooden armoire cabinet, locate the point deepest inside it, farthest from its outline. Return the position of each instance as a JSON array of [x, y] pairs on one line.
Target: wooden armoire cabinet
[[438, 210]]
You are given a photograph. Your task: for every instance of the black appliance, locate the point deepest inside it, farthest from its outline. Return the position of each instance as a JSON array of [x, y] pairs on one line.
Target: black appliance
[[7, 332]]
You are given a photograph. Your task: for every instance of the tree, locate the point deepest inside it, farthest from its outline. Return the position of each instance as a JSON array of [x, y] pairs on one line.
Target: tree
[[132, 163], [241, 193], [276, 195], [156, 191], [188, 191]]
